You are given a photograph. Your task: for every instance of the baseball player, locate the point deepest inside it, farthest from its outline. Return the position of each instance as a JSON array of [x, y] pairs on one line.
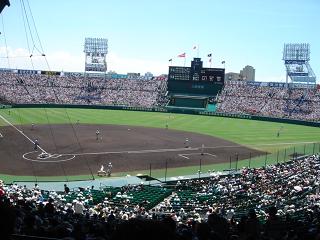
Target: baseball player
[[36, 144], [97, 134], [109, 169], [186, 143]]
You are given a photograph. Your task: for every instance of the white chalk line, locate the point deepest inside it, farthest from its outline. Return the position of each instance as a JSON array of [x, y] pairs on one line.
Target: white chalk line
[[161, 150], [185, 155], [21, 132], [45, 159], [262, 145], [73, 155], [181, 155]]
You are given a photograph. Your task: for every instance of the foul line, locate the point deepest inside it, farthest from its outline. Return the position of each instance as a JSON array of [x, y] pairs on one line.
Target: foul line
[[73, 155], [252, 145], [21, 132], [135, 151], [190, 154]]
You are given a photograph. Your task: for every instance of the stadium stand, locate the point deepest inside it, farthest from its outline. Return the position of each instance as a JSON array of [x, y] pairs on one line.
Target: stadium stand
[[275, 202], [237, 97], [282, 102], [76, 89]]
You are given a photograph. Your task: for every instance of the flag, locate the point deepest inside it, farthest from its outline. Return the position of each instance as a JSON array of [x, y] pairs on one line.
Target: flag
[[223, 62], [210, 55], [182, 55], [170, 60], [194, 47]]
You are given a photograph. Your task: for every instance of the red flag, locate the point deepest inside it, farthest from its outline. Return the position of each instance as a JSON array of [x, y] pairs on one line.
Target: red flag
[[182, 55]]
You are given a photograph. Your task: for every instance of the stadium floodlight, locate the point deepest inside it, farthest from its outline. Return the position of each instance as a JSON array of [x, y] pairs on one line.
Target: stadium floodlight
[[296, 57], [95, 50], [296, 52]]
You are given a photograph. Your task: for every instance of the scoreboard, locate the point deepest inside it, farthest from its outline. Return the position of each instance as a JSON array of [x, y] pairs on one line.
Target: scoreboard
[[51, 73], [195, 79]]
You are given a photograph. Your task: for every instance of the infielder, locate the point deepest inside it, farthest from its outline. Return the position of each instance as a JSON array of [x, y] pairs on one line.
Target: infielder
[[109, 169], [97, 134], [36, 144], [186, 143]]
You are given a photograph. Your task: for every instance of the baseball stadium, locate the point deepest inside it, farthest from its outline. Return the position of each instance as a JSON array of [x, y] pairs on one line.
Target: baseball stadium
[[189, 154]]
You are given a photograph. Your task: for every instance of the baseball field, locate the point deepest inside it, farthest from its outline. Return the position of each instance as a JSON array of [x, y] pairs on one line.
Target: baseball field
[[160, 144]]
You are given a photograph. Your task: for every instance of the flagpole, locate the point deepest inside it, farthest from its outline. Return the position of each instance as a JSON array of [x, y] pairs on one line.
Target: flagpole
[[210, 58]]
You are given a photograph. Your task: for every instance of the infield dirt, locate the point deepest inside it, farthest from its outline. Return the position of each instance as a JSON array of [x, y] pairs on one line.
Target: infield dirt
[[75, 149]]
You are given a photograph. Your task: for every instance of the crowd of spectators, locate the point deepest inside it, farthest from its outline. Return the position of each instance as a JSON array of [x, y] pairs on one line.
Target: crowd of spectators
[[78, 89], [282, 102], [274, 202], [236, 96]]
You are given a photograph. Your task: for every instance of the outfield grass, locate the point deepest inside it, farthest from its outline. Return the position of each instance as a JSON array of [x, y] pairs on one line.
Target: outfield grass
[[260, 135]]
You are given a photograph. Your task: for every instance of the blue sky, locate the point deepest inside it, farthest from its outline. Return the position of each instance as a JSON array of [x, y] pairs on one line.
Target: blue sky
[[143, 35]]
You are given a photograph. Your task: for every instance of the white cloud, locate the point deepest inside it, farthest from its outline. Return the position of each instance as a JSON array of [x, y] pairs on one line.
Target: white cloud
[[123, 65], [62, 60], [14, 58], [20, 58]]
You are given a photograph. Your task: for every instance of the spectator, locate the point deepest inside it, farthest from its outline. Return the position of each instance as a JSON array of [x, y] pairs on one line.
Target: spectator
[[66, 189], [49, 207]]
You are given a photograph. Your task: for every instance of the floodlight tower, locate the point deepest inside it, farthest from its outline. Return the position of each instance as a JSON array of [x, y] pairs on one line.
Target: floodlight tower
[[296, 57], [95, 50]]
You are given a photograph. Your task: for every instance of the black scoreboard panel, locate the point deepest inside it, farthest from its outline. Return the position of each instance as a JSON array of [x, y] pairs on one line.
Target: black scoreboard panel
[[195, 80], [179, 73], [213, 75]]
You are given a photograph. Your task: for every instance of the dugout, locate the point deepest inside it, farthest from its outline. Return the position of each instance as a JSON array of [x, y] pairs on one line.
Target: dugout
[[189, 101]]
